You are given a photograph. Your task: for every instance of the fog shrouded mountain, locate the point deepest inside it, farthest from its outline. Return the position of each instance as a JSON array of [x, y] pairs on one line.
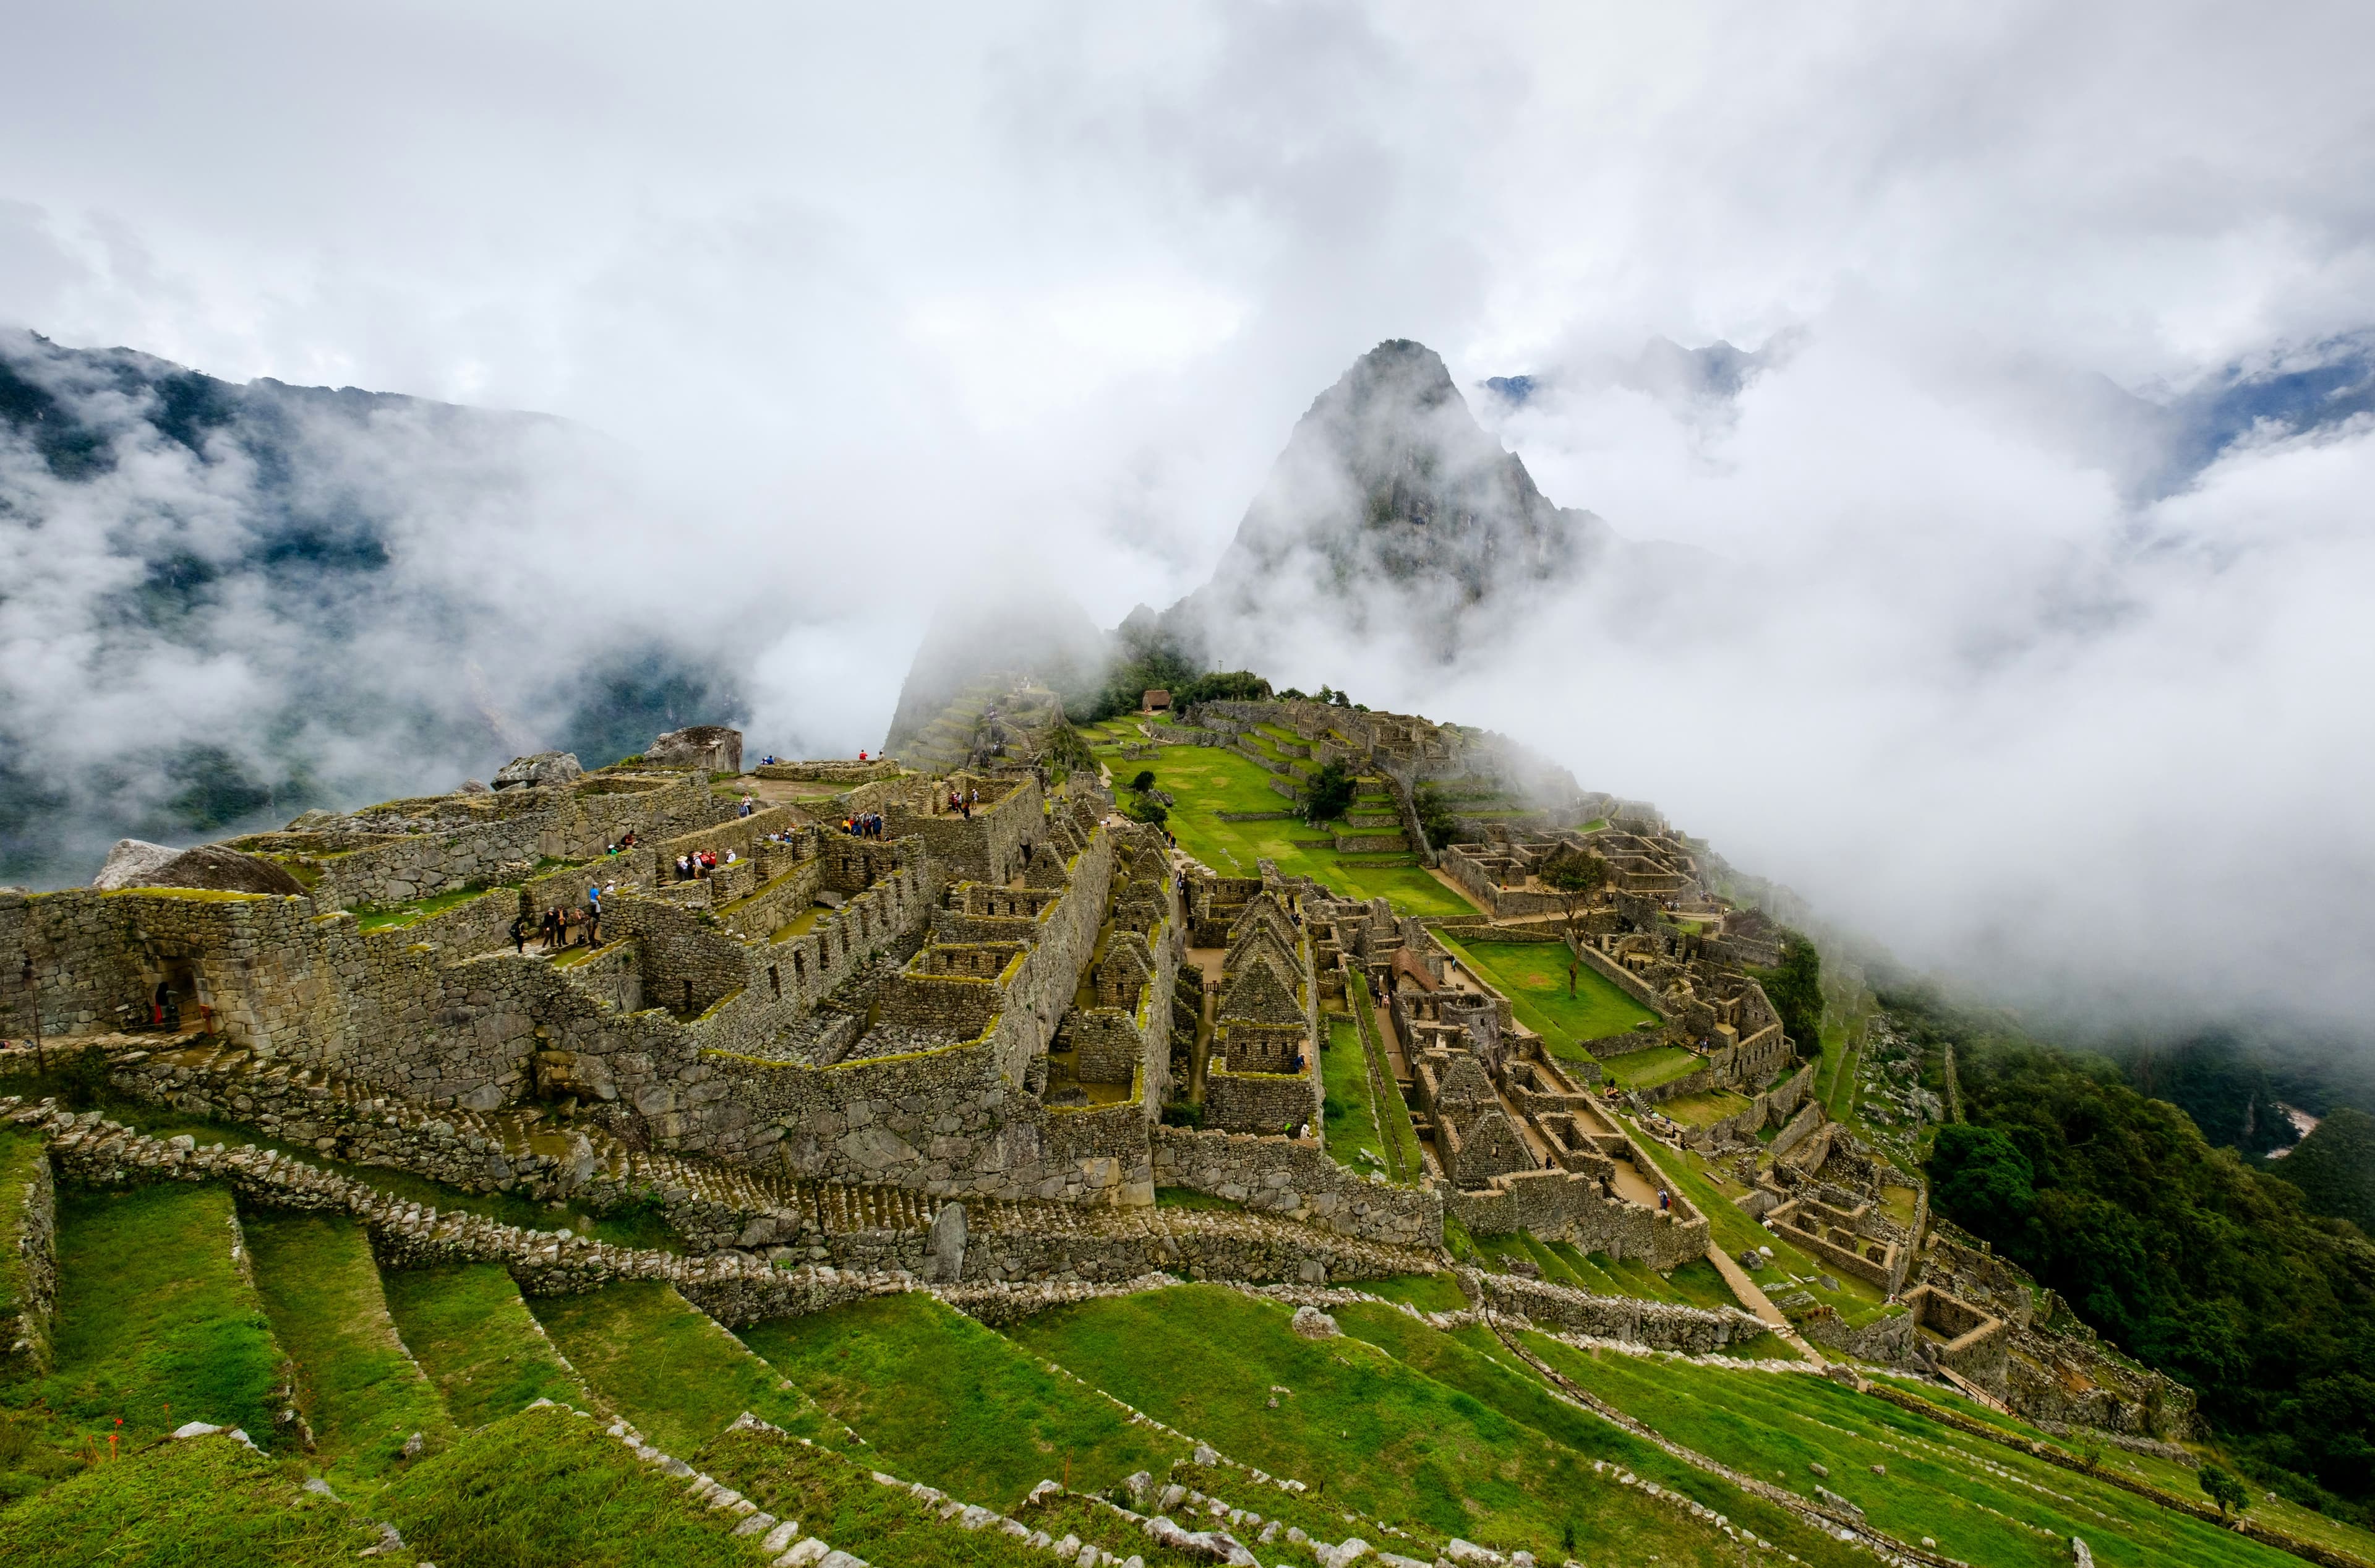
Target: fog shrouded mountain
[[222, 604], [1393, 514]]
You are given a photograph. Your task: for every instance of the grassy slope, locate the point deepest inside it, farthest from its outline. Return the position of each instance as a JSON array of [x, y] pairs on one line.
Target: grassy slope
[[1351, 1114], [2178, 1480], [1478, 1364], [356, 1386], [838, 1503], [668, 1368], [946, 1401], [478, 1343], [1208, 780], [1981, 1502], [1533, 975], [547, 1488], [1373, 1433], [1398, 1126], [1647, 1069], [207, 1500], [153, 1312]]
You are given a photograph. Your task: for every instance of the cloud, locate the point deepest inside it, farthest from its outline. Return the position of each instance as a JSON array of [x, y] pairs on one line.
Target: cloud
[[2028, 640]]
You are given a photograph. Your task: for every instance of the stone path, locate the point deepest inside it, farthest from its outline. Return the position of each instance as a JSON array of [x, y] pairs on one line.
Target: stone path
[[1753, 1296]]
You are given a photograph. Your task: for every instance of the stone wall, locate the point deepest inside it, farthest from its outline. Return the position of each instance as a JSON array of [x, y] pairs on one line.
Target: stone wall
[[1560, 1206], [989, 846], [1627, 981], [1664, 1325], [29, 1258], [1262, 1102], [1298, 1181]]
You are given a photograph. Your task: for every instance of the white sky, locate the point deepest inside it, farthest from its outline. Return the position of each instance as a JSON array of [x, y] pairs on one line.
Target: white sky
[[875, 292]]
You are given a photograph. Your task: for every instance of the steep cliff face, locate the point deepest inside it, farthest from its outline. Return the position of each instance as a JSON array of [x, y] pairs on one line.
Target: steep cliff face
[[1394, 511]]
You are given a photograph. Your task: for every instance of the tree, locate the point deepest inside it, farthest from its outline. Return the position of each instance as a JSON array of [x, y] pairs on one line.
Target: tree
[[1144, 782], [1981, 1181], [1794, 986], [1434, 816], [1576, 875], [2226, 1488], [2334, 1168], [1329, 793]]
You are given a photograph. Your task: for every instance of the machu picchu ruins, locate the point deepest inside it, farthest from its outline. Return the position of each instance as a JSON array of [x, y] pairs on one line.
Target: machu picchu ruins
[[1137, 1116], [966, 1020]]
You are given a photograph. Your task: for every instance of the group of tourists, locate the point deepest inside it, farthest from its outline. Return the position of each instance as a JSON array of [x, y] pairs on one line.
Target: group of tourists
[[863, 825], [623, 845], [963, 801], [699, 863], [564, 927]]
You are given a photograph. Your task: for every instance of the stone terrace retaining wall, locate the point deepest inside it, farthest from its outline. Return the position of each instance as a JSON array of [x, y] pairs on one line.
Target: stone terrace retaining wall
[[28, 1260], [1297, 1181], [1664, 1325], [1556, 1205], [736, 1287]]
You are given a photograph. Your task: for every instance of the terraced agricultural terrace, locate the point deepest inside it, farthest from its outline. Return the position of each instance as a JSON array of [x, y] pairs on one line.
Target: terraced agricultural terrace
[[930, 1161]]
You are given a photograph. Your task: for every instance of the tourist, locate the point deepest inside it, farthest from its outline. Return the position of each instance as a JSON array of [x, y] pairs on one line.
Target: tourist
[[519, 934], [745, 811], [1665, 1200], [684, 868]]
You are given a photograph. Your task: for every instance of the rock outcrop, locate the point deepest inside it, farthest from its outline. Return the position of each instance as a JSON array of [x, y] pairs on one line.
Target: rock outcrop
[[544, 768], [211, 867]]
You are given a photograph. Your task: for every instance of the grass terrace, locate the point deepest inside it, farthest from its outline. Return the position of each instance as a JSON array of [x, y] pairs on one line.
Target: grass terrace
[[1350, 1111], [204, 1501], [1980, 1500], [157, 1325], [471, 1330], [1209, 780], [943, 1401], [667, 1367], [382, 917], [1534, 976], [1400, 1422], [548, 1489], [362, 1396], [1647, 1069]]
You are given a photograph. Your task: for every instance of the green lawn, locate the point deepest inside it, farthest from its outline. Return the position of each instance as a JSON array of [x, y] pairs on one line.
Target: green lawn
[[1535, 975], [665, 1366], [1713, 1105], [1647, 1069], [943, 1401], [1208, 780], [837, 1502], [187, 1504], [358, 1390], [1981, 1502], [380, 917], [468, 1327], [156, 1325], [1351, 1111], [1398, 1127], [547, 1488], [1370, 1433]]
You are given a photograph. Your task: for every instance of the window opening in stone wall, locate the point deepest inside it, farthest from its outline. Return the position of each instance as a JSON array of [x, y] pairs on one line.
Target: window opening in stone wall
[[688, 995], [775, 983]]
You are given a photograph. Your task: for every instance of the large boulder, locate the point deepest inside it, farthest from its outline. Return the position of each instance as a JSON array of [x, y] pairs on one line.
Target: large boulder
[[713, 748], [544, 768], [135, 863]]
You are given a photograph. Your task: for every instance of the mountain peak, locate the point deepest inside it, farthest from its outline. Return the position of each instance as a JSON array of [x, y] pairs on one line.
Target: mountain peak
[[1389, 487]]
